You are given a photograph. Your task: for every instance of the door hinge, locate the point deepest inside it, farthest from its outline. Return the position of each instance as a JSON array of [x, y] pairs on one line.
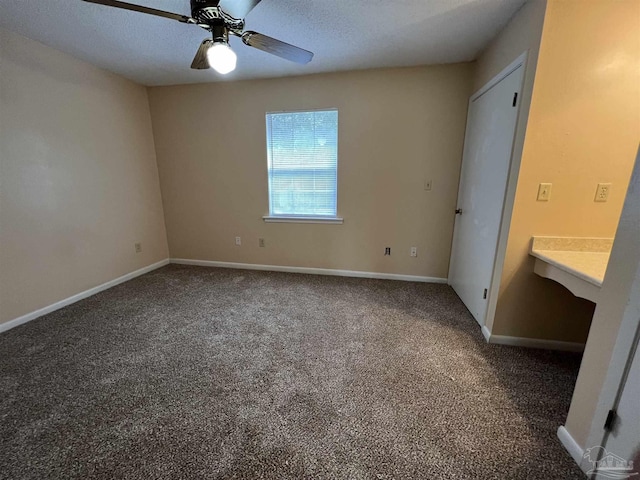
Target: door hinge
[[484, 295], [515, 99], [611, 419]]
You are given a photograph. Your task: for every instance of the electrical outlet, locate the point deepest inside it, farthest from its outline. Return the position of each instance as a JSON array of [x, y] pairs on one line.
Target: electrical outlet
[[544, 192], [387, 251], [414, 252], [138, 247], [261, 242], [602, 192], [428, 184], [238, 241]]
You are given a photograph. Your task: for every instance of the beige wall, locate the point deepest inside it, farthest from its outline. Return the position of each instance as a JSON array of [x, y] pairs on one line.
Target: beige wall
[[396, 127], [78, 177], [583, 128], [615, 298], [522, 34]]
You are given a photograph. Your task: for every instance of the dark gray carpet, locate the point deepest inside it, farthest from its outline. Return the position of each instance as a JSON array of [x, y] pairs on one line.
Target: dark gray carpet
[[192, 372]]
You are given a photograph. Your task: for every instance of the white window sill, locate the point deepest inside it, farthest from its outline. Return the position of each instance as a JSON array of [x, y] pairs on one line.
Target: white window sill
[[301, 219]]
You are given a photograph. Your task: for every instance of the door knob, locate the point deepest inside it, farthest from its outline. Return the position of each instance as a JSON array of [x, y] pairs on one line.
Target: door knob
[[458, 211]]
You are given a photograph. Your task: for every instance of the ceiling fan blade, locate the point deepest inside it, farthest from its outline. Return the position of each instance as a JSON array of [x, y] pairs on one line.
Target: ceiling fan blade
[[200, 61], [237, 8], [141, 9], [276, 47]]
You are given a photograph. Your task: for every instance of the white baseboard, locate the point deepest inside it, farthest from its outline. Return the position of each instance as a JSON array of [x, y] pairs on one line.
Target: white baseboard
[[532, 342], [311, 271], [79, 296], [486, 333], [569, 443]]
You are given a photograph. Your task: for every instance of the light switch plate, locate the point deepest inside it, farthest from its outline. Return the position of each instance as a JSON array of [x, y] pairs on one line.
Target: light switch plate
[[544, 192], [602, 192]]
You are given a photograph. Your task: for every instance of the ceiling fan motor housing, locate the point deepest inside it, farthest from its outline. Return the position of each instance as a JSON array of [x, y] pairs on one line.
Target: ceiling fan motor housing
[[199, 4], [205, 10], [209, 15]]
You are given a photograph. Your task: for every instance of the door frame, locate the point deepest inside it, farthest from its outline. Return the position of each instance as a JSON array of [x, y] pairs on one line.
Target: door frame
[[510, 189], [626, 345]]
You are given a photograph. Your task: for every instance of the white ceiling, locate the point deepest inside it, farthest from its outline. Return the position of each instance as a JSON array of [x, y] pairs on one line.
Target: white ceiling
[[343, 34]]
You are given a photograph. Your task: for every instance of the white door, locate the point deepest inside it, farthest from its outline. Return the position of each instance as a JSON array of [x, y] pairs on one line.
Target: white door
[[491, 123]]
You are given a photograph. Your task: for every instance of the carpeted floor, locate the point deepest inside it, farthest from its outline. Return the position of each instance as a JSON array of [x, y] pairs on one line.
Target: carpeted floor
[[192, 372]]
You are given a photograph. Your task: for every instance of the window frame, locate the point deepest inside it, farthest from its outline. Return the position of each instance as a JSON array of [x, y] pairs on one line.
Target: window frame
[[295, 218]]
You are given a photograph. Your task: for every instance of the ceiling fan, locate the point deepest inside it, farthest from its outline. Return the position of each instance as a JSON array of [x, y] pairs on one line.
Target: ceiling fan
[[221, 18]]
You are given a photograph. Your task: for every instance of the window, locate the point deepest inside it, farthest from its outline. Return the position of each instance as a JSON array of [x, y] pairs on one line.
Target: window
[[302, 152]]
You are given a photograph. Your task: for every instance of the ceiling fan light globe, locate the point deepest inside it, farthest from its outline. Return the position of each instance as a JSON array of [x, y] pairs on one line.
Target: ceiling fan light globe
[[221, 58]]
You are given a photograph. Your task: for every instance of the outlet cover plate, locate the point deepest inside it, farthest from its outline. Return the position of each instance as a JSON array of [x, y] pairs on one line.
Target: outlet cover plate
[[602, 192]]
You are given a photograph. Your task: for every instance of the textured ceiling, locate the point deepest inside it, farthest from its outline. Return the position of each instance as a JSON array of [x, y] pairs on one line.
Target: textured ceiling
[[343, 34]]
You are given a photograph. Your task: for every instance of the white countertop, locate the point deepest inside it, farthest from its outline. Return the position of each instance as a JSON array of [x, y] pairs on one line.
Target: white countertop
[[577, 263], [589, 266]]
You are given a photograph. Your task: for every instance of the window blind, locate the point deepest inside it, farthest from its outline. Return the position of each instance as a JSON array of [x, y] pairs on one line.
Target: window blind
[[302, 151]]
